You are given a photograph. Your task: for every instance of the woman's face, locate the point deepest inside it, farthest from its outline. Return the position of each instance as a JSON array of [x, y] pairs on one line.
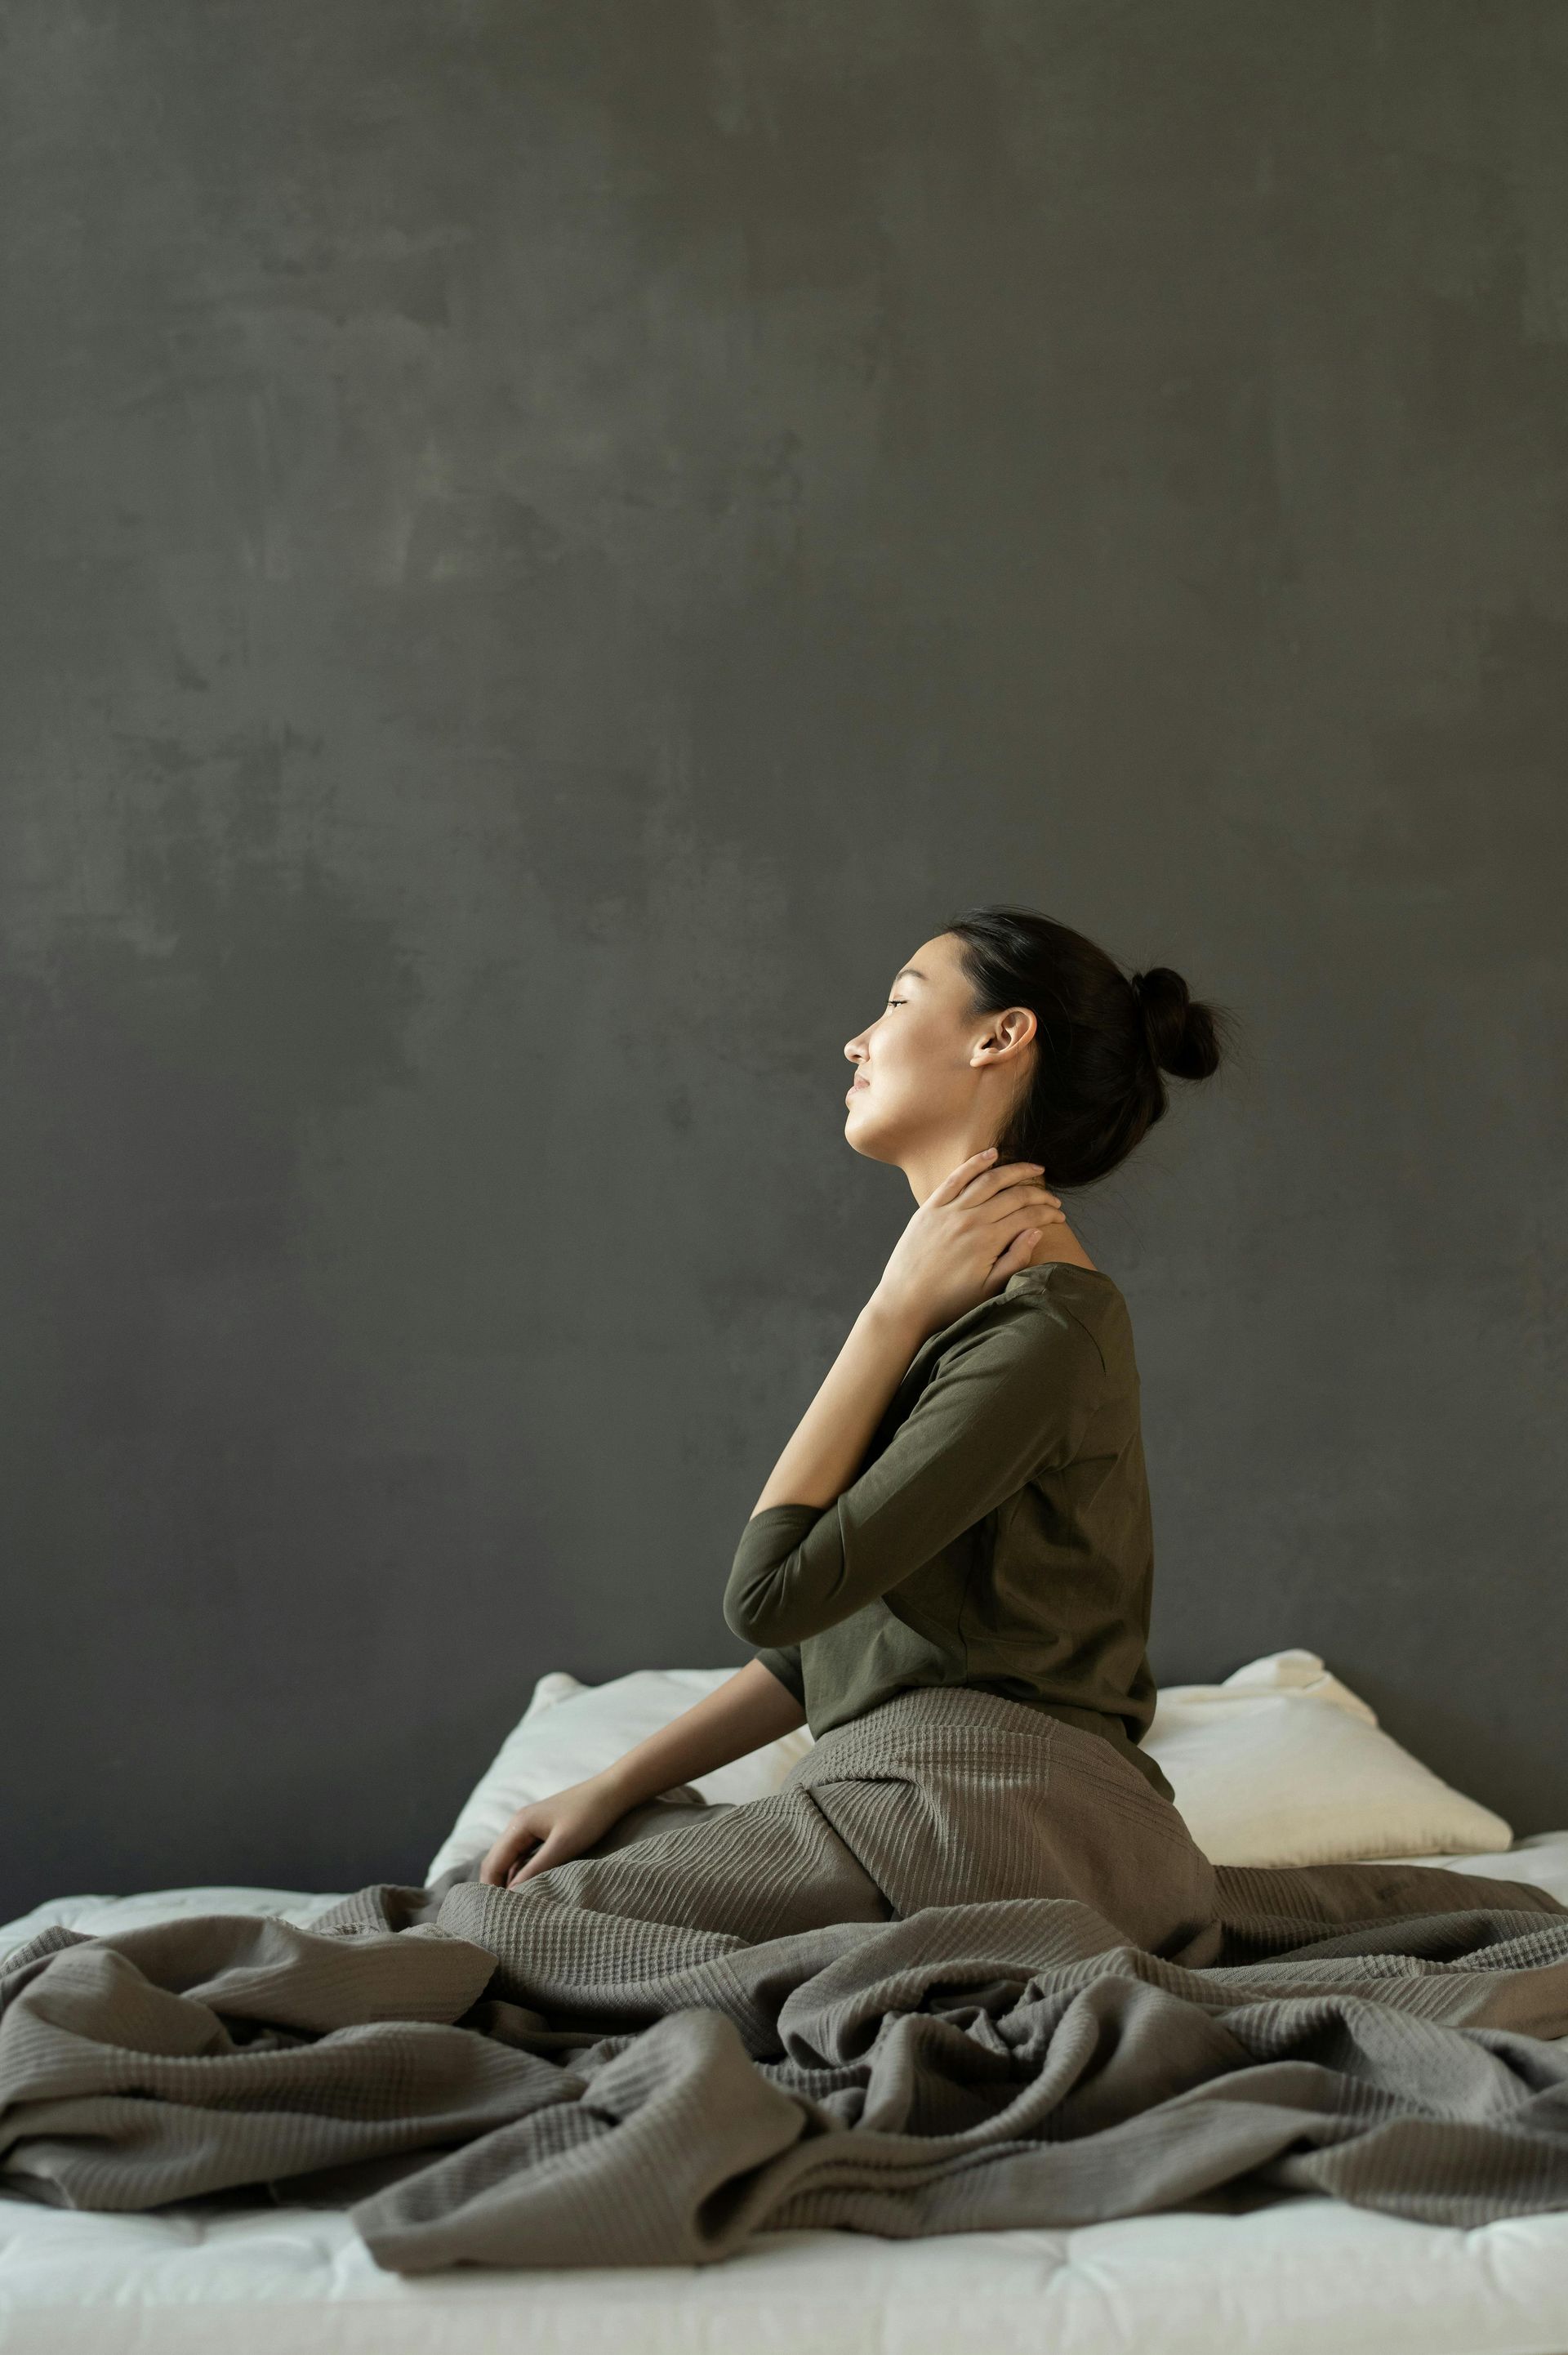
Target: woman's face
[[932, 1077]]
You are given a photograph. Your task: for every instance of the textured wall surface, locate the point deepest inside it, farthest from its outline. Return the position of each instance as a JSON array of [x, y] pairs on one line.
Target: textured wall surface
[[546, 544]]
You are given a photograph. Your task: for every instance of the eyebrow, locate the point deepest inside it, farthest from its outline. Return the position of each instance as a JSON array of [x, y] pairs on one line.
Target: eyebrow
[[909, 973]]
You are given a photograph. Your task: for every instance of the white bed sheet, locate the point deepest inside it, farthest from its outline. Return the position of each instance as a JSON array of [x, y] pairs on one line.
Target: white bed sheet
[[242, 2276]]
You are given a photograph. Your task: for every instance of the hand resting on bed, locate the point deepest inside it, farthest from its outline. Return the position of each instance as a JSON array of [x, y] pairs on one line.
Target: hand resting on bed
[[555, 1829], [748, 1710]]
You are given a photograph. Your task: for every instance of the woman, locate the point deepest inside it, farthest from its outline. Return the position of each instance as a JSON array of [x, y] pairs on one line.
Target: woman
[[901, 1993], [963, 1509]]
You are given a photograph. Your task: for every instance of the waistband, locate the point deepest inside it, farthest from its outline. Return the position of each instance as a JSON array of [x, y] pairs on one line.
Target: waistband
[[933, 1710]]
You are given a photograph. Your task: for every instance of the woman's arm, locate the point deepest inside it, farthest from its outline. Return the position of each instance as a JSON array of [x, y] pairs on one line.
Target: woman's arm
[[817, 1547], [1010, 1397], [750, 1709], [962, 1243], [819, 1459]]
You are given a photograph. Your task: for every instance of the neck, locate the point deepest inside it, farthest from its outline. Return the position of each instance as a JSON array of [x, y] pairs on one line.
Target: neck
[[1059, 1243], [927, 1168]]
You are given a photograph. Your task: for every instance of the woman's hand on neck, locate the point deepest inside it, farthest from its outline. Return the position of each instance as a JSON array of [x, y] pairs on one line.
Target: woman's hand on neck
[[929, 1163]]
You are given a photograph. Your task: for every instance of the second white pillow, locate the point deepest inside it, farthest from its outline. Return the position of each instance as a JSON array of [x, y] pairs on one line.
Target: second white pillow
[[1283, 1764]]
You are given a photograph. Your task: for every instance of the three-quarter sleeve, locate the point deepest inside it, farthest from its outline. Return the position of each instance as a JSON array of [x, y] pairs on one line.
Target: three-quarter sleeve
[[1011, 1396], [784, 1661]]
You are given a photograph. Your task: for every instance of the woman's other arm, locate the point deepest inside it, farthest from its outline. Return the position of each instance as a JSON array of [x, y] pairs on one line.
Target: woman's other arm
[[961, 1244], [1006, 1399], [983, 1422], [749, 1709], [820, 1458]]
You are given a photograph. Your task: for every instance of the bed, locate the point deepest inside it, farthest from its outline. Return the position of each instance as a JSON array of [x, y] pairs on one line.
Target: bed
[[1279, 1764]]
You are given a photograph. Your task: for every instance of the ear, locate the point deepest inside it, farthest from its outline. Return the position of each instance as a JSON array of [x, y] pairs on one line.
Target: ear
[[1005, 1035]]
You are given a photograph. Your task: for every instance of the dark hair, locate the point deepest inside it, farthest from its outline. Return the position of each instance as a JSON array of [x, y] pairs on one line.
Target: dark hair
[[1103, 1041]]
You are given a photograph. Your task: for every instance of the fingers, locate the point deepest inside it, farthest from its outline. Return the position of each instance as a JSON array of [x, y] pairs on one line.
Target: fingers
[[544, 1856], [1028, 1194], [1026, 1176], [982, 1176], [1015, 1256], [1016, 1251], [956, 1179], [983, 1179], [504, 1856], [1031, 1202]]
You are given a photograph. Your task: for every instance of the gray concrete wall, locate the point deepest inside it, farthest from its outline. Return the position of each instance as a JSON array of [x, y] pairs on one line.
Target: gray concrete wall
[[545, 545]]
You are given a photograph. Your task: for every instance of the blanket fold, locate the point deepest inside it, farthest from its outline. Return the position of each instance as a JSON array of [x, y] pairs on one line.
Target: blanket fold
[[966, 1969]]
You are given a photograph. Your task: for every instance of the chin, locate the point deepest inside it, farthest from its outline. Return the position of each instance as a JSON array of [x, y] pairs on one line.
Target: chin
[[860, 1141]]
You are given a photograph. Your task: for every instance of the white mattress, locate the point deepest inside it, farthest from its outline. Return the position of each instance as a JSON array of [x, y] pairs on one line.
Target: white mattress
[[241, 2275]]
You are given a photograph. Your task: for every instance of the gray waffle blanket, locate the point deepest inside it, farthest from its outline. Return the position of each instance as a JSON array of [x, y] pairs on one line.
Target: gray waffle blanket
[[967, 1969]]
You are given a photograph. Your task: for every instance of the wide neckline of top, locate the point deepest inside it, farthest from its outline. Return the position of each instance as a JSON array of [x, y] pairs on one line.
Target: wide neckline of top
[[1044, 1266]]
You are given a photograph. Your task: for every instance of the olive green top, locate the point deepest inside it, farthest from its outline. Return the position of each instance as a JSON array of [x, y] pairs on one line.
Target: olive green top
[[997, 1533]]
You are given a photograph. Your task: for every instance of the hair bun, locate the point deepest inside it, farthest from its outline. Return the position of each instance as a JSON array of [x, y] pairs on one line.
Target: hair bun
[[1181, 1033]]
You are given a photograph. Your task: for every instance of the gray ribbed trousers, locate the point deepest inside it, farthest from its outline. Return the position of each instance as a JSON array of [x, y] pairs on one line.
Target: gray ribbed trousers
[[954, 1797], [940, 1796]]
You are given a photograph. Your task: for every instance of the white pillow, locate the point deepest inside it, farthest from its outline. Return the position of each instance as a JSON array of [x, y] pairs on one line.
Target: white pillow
[[570, 1729], [1279, 1764], [1283, 1764]]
